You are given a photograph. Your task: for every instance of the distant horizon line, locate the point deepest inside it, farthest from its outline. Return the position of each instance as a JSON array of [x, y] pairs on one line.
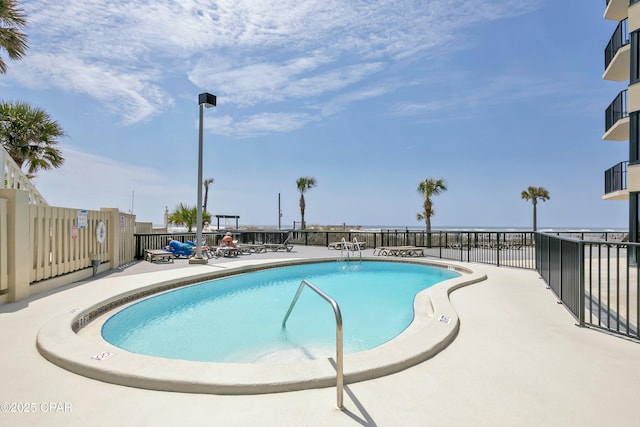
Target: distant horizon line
[[419, 228]]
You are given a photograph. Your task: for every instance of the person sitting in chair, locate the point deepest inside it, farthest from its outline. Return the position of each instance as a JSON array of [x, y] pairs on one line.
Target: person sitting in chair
[[227, 242]]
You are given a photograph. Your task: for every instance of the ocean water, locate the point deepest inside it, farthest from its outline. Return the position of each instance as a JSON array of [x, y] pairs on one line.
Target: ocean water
[[489, 229], [450, 228], [356, 227]]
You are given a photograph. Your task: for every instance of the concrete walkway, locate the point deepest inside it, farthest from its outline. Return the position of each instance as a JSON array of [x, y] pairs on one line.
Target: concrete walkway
[[518, 360]]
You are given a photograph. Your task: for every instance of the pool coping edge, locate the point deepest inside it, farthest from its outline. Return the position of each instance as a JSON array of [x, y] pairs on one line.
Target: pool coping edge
[[435, 326]]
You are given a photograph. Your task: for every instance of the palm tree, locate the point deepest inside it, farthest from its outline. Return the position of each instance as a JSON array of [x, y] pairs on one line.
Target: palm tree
[[186, 215], [12, 39], [304, 183], [206, 184], [533, 194], [428, 188], [30, 135]]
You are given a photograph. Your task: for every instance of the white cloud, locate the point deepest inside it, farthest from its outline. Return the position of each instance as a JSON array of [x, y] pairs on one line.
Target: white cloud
[[132, 94], [300, 78], [504, 89], [334, 80], [122, 53], [252, 83], [341, 101], [257, 124]]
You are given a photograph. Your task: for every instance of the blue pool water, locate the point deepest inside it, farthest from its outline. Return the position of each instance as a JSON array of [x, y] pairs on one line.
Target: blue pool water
[[238, 318]]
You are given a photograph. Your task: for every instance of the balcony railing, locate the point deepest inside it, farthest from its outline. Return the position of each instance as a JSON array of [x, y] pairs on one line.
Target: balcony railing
[[619, 38], [616, 110], [615, 178]]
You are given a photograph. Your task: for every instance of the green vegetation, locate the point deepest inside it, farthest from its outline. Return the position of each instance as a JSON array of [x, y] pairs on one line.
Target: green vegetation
[[30, 136], [533, 194], [186, 215], [304, 183], [428, 188], [28, 133], [12, 39]]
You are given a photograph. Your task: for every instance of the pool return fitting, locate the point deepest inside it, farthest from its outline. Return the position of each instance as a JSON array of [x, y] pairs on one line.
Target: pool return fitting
[[336, 311]]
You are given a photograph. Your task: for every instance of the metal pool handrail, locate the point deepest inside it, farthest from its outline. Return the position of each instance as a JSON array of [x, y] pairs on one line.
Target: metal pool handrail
[[357, 246], [336, 311], [343, 247]]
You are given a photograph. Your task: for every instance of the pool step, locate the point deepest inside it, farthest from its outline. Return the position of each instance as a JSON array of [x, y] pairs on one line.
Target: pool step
[[295, 355]]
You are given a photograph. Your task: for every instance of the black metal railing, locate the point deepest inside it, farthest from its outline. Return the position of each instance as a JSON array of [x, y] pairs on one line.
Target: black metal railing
[[617, 110], [598, 282], [615, 178], [592, 273], [619, 38], [502, 248], [508, 248], [499, 248]]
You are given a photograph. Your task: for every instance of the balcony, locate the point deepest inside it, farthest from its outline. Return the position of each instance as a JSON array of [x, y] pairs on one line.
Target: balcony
[[616, 119], [617, 54], [617, 10], [615, 182]]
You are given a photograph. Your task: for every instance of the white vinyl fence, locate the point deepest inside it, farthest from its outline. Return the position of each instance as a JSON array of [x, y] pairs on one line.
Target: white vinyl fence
[[43, 247]]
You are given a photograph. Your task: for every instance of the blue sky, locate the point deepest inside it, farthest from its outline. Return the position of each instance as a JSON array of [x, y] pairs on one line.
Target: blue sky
[[370, 98]]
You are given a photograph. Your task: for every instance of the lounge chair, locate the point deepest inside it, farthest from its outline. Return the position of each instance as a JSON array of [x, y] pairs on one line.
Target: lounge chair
[[247, 248], [206, 250], [402, 251], [158, 255], [227, 251], [334, 245], [187, 253], [352, 246], [277, 246]]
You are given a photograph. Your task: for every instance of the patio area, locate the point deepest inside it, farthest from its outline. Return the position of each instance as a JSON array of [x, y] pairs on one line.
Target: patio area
[[518, 360]]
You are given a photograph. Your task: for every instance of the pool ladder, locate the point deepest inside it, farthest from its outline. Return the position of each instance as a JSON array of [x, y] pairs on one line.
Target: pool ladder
[[355, 246], [339, 354]]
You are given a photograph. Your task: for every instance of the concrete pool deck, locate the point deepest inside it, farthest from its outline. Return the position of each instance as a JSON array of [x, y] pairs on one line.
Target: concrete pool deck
[[518, 359]]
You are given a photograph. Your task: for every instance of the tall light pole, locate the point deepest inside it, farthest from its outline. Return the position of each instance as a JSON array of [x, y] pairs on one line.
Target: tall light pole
[[204, 100]]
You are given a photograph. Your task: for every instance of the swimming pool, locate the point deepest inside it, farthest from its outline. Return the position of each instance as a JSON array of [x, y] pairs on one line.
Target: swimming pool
[[73, 339], [238, 318]]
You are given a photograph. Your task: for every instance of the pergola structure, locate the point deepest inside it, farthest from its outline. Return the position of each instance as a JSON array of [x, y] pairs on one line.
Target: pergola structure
[[226, 217]]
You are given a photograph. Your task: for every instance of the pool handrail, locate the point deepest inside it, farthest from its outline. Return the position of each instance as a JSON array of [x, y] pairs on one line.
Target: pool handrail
[[339, 355], [343, 247], [356, 245]]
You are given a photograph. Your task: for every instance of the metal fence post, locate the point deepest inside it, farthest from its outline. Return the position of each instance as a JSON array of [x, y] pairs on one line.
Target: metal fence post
[[581, 294]]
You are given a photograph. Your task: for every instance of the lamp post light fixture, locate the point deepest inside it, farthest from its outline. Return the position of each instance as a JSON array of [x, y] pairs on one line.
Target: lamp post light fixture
[[204, 100]]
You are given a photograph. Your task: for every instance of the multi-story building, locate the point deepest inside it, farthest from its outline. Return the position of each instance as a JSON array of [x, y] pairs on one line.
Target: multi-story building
[[622, 116]]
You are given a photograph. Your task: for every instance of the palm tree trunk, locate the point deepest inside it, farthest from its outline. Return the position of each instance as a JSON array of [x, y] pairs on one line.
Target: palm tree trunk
[[535, 215]]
